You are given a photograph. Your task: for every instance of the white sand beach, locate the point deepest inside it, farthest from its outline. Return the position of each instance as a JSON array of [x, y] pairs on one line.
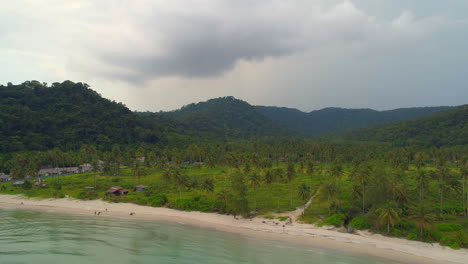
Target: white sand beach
[[392, 249]]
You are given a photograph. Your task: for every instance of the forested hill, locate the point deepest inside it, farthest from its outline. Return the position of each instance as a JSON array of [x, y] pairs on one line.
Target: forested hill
[[337, 120], [441, 129], [34, 116], [226, 117]]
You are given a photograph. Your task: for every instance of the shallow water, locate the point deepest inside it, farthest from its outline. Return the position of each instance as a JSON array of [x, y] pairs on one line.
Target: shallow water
[[36, 237]]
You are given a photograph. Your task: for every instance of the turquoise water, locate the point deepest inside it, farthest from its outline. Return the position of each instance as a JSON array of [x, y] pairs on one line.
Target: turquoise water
[[35, 237]]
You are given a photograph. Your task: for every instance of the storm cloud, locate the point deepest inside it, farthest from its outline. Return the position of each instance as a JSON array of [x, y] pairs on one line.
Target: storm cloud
[[304, 53]]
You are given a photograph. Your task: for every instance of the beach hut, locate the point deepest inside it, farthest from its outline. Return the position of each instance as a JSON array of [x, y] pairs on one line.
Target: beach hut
[[140, 188], [117, 191]]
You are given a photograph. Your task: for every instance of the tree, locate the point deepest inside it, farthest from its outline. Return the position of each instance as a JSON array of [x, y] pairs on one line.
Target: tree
[[239, 202], [304, 191], [464, 183], [389, 214], [268, 177], [442, 176], [422, 178], [423, 218], [330, 192], [138, 171], [290, 174], [254, 180], [208, 185]]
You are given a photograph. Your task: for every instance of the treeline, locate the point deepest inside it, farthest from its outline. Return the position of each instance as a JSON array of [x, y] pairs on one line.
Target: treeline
[[447, 128], [413, 192], [34, 116]]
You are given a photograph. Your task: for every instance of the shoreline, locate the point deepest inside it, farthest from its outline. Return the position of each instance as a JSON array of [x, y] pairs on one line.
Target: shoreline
[[395, 250]]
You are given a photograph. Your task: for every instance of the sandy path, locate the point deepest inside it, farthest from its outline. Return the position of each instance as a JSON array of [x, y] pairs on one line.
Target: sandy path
[[394, 249]]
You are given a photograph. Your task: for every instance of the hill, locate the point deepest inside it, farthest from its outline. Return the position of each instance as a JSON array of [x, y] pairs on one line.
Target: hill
[[337, 120], [226, 117], [34, 116], [446, 128]]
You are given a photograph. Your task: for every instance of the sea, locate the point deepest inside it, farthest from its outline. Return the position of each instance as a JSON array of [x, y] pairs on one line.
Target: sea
[[44, 237]]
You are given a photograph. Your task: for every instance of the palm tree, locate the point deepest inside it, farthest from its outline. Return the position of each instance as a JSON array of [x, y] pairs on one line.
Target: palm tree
[[423, 218], [330, 191], [442, 175], [463, 181], [254, 180], [208, 185], [389, 215], [422, 178], [304, 191], [290, 174]]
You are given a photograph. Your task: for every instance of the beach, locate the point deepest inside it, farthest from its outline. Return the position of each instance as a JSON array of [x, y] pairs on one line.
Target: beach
[[395, 250]]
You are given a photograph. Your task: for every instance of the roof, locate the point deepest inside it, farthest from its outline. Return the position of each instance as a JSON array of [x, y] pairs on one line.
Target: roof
[[115, 189]]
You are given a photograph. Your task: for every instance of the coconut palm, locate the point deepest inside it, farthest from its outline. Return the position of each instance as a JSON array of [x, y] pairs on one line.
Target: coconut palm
[[423, 218], [389, 215], [255, 180], [304, 191], [208, 185], [330, 191]]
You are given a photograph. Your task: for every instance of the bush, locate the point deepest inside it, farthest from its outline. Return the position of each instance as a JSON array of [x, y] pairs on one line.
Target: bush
[[359, 223], [27, 185], [412, 236], [87, 195], [335, 220], [449, 241], [407, 226], [58, 194], [446, 227], [157, 200], [57, 185], [395, 232], [193, 205]]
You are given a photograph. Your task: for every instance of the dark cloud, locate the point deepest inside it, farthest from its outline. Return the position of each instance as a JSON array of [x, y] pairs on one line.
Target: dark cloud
[[206, 47]]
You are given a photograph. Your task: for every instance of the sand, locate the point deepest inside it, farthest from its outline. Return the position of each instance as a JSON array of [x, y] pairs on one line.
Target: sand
[[395, 250]]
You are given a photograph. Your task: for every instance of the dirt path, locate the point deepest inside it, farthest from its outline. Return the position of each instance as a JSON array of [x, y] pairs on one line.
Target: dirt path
[[299, 210]]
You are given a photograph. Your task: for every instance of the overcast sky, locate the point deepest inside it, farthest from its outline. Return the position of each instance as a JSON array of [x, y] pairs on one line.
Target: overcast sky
[[307, 54]]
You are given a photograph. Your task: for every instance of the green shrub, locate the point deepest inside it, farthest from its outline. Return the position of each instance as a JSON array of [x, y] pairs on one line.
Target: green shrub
[[446, 227], [87, 195], [395, 232], [268, 217], [359, 223], [157, 200], [58, 194], [434, 235], [192, 205], [27, 185], [450, 242], [412, 236], [283, 218], [335, 220], [57, 185]]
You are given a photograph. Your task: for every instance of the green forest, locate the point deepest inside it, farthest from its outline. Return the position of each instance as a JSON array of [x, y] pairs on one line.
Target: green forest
[[404, 179]]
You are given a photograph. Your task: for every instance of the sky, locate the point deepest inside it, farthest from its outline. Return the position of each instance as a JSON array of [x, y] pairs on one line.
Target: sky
[[157, 55]]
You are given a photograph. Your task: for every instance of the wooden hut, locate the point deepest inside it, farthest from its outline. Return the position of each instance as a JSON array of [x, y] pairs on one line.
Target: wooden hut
[[117, 191]]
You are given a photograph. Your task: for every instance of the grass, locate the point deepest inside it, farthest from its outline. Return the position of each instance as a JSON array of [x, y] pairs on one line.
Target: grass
[[274, 197]]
